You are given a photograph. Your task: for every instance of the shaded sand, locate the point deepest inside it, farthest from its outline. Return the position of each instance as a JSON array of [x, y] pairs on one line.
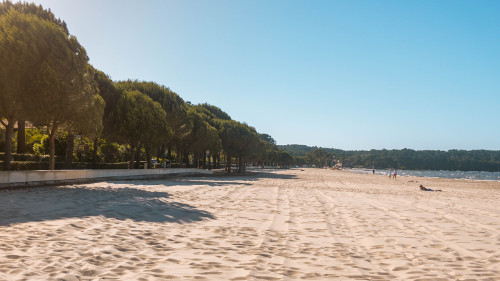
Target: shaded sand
[[281, 225]]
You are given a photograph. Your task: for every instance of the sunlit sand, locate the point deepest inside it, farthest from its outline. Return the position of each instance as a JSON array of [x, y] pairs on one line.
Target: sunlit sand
[[275, 225]]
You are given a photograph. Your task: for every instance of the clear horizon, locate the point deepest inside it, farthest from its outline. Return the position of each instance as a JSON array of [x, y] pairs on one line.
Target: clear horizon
[[352, 75]]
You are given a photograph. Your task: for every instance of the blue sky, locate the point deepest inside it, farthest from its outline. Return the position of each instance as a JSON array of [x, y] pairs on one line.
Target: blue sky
[[342, 74]]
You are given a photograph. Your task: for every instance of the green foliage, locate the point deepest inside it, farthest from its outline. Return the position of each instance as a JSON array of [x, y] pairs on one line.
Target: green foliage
[[17, 31], [464, 160], [41, 144], [33, 9], [137, 119], [110, 95], [239, 139], [35, 138], [319, 157], [172, 104], [268, 139], [203, 136], [230, 133], [113, 152], [26, 157], [60, 79], [27, 165], [215, 112], [272, 154], [88, 114], [42, 62], [169, 100]]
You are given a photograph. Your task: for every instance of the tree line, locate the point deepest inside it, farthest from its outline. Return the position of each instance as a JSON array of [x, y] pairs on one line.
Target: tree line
[[47, 81], [409, 159]]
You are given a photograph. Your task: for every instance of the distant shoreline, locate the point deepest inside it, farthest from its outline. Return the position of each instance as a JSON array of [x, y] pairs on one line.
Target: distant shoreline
[[438, 174]]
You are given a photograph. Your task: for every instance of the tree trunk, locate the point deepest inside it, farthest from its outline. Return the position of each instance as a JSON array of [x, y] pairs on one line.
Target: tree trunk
[[94, 156], [161, 152], [228, 163], [148, 157], [52, 146], [169, 152], [9, 133], [186, 159], [138, 157], [131, 164], [21, 136], [240, 159], [69, 152]]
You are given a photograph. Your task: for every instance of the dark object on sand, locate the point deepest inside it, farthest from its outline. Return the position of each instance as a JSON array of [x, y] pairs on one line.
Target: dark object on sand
[[423, 188]]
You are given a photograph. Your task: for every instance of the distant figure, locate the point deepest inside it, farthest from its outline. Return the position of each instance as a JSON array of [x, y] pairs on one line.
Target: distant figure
[[423, 188], [373, 171], [395, 173], [390, 173]]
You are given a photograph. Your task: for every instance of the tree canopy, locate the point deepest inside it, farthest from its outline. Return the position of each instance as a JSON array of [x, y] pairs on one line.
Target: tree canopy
[[464, 160], [319, 157], [42, 62], [136, 121]]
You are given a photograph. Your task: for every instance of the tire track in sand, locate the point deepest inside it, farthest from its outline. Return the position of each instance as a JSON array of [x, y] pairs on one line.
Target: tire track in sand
[[460, 255], [272, 251], [347, 242]]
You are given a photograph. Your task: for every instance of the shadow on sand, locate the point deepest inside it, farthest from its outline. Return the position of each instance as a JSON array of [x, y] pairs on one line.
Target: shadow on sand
[[52, 203], [220, 178], [122, 203]]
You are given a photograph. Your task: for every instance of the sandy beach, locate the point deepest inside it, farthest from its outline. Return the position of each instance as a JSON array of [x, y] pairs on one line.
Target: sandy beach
[[308, 224]]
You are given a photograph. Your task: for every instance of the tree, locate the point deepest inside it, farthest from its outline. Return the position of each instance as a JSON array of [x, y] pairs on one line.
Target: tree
[[87, 117], [271, 153], [268, 139], [136, 121], [61, 82], [203, 137], [173, 105], [215, 112], [46, 15], [42, 63], [251, 146], [110, 94], [319, 157], [240, 140], [215, 117], [15, 56], [32, 9], [229, 135]]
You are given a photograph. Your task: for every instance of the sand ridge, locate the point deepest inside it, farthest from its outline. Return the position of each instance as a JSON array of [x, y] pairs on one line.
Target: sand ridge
[[309, 224]]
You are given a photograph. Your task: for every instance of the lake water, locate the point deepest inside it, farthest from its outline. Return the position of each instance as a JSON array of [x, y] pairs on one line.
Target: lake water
[[469, 175]]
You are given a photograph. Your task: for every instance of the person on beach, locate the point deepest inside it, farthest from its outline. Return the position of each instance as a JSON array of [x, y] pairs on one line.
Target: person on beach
[[390, 173], [423, 188], [395, 173]]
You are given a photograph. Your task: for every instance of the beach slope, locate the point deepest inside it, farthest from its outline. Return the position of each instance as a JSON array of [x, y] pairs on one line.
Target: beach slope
[[308, 224]]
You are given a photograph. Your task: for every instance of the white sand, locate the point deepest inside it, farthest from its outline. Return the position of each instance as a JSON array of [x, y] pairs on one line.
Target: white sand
[[284, 225]]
